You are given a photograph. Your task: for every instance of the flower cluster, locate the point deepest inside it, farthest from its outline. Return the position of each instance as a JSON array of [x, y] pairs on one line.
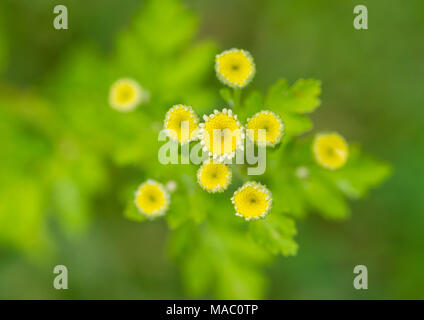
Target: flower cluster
[[221, 135]]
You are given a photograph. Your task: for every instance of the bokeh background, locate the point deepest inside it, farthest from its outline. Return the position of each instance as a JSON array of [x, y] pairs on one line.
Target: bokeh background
[[372, 92]]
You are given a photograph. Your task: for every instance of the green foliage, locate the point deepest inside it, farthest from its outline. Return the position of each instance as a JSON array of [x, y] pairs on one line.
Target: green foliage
[[221, 259], [65, 148], [301, 97], [24, 153], [361, 173], [276, 234], [292, 103], [69, 150], [298, 184]]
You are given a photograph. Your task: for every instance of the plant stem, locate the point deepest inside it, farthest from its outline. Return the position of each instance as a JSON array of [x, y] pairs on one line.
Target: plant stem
[[237, 98]]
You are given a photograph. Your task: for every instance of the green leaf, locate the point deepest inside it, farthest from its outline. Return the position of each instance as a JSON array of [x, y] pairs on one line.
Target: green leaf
[[317, 188], [188, 203], [275, 233], [291, 103], [288, 198], [295, 124], [360, 174], [220, 259], [301, 97], [325, 198]]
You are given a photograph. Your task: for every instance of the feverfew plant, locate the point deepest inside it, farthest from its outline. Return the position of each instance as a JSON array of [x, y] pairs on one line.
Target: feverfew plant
[[94, 136], [303, 174]]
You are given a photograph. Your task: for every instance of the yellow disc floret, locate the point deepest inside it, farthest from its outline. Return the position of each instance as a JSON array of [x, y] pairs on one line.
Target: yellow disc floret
[[235, 67], [126, 94], [221, 134], [252, 201], [271, 125], [330, 150], [181, 123], [214, 176], [151, 199]]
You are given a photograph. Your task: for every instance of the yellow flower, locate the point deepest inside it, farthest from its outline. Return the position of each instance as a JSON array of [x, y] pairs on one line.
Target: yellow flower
[[235, 67], [221, 134], [214, 176], [252, 201], [330, 150], [268, 121], [151, 199], [181, 123], [126, 94]]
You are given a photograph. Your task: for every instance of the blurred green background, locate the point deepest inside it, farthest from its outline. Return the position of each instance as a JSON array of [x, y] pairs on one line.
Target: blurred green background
[[372, 92]]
